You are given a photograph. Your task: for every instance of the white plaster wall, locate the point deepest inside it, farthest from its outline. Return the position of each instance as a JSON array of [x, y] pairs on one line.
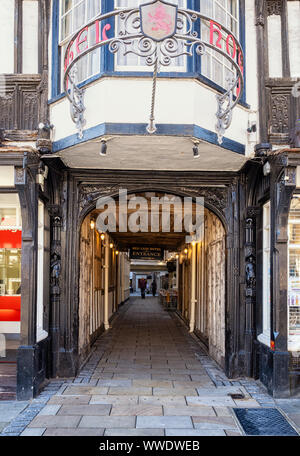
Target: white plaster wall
[[294, 36], [124, 100], [7, 12], [7, 176], [10, 327], [30, 37], [274, 46]]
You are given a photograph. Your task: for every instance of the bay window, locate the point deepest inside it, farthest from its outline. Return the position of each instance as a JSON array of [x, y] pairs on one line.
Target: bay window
[[213, 65], [73, 15]]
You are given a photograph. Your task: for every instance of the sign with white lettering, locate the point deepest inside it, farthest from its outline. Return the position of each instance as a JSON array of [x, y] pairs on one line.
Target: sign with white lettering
[[146, 253]]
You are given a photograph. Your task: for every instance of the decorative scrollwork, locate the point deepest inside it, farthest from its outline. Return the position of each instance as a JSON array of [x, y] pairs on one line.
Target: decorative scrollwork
[[77, 107], [225, 106], [184, 41]]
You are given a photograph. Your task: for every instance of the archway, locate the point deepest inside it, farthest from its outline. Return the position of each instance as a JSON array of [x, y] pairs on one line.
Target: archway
[[199, 280]]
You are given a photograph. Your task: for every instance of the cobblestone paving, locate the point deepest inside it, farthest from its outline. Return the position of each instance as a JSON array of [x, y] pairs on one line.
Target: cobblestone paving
[[146, 376]]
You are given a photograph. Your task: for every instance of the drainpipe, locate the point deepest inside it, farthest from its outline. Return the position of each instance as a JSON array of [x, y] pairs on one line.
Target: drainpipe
[[106, 271], [193, 283]]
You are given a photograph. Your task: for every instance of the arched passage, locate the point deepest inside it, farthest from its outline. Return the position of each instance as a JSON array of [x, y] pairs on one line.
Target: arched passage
[[197, 279]]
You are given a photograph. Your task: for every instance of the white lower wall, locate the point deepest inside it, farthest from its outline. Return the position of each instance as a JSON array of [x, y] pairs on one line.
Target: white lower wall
[[7, 12], [30, 36], [10, 327], [124, 100], [293, 8]]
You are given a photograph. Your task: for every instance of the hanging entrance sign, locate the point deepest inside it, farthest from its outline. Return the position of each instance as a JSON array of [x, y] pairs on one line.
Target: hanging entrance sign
[[159, 32]]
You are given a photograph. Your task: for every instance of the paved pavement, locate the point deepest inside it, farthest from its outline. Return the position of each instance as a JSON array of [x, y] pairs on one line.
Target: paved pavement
[[146, 376]]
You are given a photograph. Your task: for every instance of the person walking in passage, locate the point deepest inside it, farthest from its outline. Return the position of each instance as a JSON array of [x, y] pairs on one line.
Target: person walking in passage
[[143, 285], [154, 287]]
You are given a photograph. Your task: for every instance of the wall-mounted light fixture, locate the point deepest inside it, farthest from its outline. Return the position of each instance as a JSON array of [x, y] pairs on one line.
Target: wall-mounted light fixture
[[185, 251], [117, 252], [92, 224], [252, 127], [111, 245], [46, 126], [266, 168], [196, 150], [102, 237], [103, 148]]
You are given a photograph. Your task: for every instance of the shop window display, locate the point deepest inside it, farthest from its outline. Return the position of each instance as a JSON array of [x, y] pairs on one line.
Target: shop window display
[[294, 276], [10, 264]]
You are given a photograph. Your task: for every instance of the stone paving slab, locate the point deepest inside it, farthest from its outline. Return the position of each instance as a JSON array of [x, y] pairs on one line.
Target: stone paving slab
[[105, 399], [115, 382], [60, 432], [33, 432], [222, 411], [70, 400], [214, 422], [50, 409], [136, 410], [187, 410], [212, 401], [152, 383], [174, 392], [231, 433], [162, 400], [89, 409], [82, 390], [55, 421], [194, 432], [169, 377], [107, 422], [116, 391], [135, 432], [158, 422], [246, 403], [222, 391]]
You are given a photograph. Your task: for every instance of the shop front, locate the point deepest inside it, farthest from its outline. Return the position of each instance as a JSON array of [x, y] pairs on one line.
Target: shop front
[[10, 274]]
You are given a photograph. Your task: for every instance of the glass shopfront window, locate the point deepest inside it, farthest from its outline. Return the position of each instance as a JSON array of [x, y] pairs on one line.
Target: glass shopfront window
[[10, 263], [10, 272], [264, 337], [294, 276]]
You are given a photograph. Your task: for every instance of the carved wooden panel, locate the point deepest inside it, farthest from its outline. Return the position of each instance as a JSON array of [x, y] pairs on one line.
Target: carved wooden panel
[[274, 7], [282, 112], [19, 102], [210, 287]]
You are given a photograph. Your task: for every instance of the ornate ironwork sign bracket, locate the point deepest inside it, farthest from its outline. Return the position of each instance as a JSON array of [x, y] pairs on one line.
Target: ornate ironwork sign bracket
[[159, 32]]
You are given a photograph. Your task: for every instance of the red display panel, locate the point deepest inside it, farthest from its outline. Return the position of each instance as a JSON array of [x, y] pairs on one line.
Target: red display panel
[[10, 239], [10, 308]]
